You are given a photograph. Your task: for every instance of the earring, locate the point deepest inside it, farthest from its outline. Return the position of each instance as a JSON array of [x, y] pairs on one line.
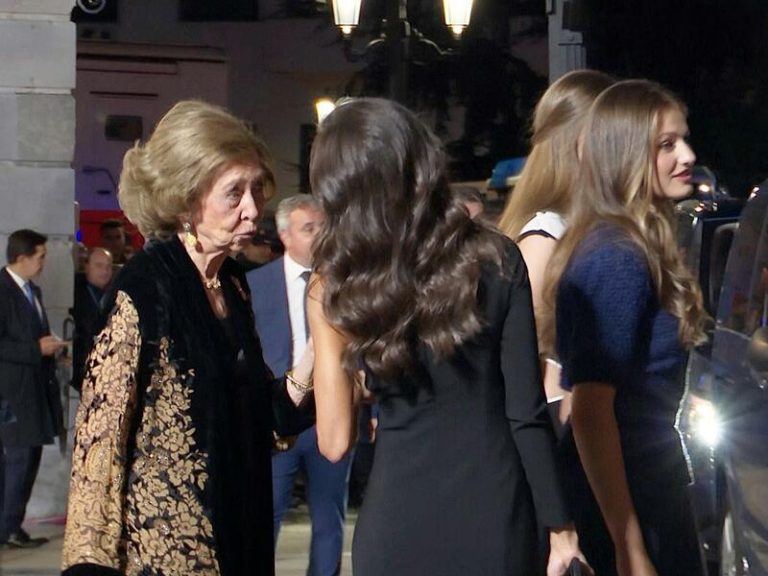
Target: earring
[[190, 240]]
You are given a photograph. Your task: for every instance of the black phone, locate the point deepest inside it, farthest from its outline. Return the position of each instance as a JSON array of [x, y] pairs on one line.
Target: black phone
[[574, 568]]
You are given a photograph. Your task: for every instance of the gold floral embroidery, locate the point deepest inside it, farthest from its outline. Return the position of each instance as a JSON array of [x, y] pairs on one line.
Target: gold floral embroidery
[[165, 520], [98, 462], [94, 525], [153, 522]]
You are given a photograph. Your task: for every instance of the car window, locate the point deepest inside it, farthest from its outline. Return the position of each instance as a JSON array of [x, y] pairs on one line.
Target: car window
[[743, 294], [722, 239], [686, 239], [704, 237]]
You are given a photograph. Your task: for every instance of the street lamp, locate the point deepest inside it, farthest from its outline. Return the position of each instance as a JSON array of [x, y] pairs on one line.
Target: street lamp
[[346, 14], [399, 34], [457, 15]]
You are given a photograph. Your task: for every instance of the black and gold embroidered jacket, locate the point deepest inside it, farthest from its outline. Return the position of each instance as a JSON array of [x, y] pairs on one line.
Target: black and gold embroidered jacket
[[171, 470]]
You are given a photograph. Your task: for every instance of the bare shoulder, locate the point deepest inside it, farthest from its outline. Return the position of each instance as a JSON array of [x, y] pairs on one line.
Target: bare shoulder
[[536, 248], [316, 287]]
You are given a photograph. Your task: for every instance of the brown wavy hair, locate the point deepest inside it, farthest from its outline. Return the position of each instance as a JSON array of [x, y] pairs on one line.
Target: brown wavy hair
[[399, 256], [616, 185], [165, 177], [552, 164]]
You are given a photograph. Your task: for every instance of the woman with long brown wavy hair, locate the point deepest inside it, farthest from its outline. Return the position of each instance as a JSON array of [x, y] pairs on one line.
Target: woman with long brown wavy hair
[[536, 214], [436, 309], [627, 309]]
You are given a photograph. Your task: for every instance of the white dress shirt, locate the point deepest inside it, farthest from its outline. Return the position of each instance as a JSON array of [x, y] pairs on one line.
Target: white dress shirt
[[296, 288]]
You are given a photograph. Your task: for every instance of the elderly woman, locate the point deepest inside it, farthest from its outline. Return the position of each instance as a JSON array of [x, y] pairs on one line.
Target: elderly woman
[[179, 413]]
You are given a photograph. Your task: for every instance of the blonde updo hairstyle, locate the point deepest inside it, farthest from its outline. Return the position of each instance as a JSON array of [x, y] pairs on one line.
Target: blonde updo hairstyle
[[163, 180]]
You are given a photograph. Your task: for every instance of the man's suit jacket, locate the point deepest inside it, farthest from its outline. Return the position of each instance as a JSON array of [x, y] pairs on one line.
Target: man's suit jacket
[[28, 387], [88, 322], [269, 299]]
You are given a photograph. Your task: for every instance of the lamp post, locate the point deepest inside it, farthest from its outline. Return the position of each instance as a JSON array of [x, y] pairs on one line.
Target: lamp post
[[399, 34]]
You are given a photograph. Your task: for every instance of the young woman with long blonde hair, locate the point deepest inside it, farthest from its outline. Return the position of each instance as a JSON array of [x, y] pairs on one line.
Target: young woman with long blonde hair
[[627, 310], [535, 215]]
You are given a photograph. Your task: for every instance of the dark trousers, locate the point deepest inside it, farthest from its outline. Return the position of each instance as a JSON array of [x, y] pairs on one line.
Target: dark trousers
[[18, 470], [326, 497]]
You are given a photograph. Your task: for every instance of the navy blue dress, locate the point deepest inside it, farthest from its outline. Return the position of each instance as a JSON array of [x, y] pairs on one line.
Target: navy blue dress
[[465, 454], [612, 329]]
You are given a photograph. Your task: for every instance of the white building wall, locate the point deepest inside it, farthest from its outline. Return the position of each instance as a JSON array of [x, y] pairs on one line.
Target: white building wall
[[277, 67], [144, 82], [37, 136]]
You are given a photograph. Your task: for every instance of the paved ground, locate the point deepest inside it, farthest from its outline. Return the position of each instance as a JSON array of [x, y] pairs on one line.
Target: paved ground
[[292, 549]]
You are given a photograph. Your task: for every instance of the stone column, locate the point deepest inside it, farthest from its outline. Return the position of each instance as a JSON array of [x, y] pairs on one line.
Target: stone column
[[566, 47], [37, 139]]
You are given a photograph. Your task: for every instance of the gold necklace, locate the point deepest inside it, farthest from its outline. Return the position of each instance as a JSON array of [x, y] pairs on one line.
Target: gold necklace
[[212, 284]]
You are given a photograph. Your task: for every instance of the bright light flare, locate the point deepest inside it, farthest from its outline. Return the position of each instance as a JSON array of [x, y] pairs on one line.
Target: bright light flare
[[457, 14], [323, 107], [346, 14], [706, 424]]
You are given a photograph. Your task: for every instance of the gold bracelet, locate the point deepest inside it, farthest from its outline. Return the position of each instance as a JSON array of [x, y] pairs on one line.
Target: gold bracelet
[[302, 386]]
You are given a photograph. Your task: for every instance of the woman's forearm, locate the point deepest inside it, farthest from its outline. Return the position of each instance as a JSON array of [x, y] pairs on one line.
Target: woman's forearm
[[334, 388], [597, 440]]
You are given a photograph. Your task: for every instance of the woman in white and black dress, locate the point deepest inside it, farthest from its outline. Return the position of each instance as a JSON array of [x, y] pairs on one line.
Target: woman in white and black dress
[[536, 214]]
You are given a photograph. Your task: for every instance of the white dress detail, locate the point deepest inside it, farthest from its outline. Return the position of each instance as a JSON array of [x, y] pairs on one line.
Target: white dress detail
[[550, 223]]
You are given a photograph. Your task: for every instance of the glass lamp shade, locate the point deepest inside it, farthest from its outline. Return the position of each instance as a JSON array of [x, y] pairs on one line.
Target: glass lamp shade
[[457, 14], [346, 14]]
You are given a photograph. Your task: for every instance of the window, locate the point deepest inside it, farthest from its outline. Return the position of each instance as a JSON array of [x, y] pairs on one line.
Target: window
[[741, 299], [722, 238], [124, 128]]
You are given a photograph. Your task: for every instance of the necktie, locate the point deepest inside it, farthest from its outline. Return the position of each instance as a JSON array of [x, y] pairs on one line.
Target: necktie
[[305, 276], [30, 294], [31, 298]]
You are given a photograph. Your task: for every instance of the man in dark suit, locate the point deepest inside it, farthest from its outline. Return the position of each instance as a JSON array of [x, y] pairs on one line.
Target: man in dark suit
[[89, 297], [278, 295], [31, 410]]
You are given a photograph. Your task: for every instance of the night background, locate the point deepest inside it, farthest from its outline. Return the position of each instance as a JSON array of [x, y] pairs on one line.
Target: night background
[[711, 52]]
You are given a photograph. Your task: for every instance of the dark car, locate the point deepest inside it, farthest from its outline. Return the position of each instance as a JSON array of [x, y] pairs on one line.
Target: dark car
[[724, 420], [706, 228]]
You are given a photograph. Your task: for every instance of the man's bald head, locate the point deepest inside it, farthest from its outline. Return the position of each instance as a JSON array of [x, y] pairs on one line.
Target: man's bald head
[[98, 267]]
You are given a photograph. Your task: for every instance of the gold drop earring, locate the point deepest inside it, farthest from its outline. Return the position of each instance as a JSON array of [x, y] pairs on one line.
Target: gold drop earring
[[190, 240]]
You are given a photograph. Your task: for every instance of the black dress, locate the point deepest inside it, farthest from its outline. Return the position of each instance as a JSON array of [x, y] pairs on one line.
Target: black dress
[[465, 453]]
